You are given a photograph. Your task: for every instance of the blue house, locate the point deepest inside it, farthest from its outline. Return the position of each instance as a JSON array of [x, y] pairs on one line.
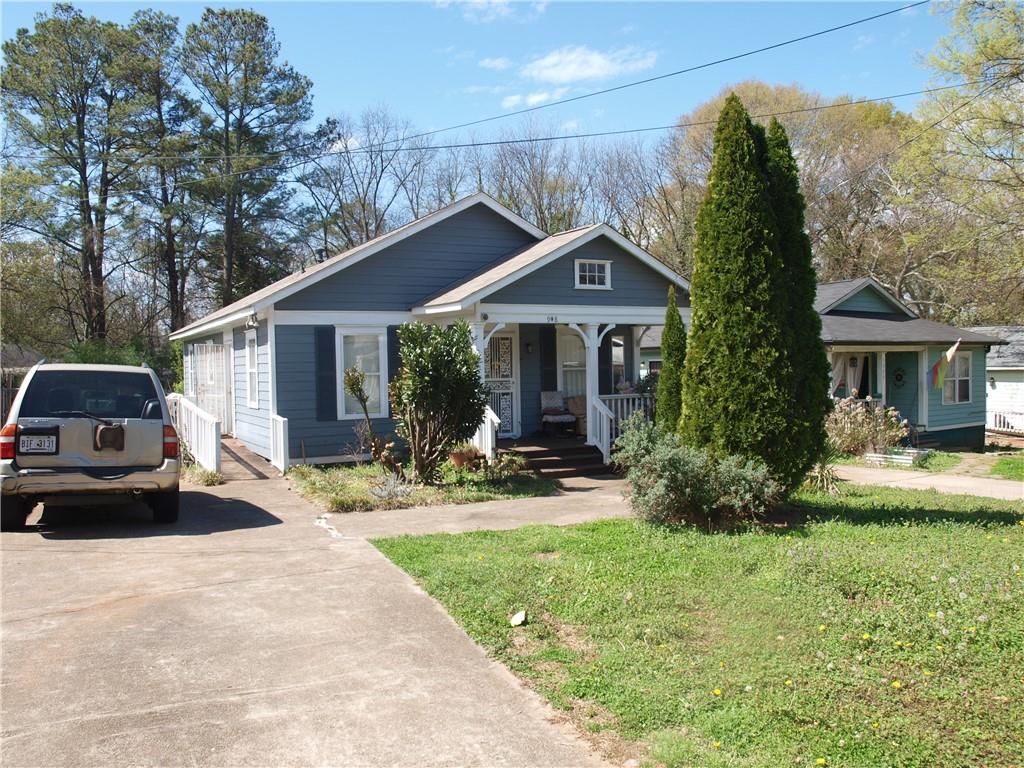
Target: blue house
[[550, 313]]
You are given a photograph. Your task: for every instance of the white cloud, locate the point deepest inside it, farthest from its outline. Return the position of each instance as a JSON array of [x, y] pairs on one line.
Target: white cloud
[[572, 64], [532, 99], [571, 126], [499, 63], [863, 41], [487, 11], [511, 102]]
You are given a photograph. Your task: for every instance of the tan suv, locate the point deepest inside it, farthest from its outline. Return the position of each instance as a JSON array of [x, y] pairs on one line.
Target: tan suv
[[88, 434]]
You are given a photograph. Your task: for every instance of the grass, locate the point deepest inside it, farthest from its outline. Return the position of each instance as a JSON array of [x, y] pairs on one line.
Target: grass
[[199, 475], [1010, 467], [357, 488], [879, 627]]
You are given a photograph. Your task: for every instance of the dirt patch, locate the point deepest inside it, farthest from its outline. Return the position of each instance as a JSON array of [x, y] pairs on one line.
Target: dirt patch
[[596, 725], [546, 555], [571, 637]]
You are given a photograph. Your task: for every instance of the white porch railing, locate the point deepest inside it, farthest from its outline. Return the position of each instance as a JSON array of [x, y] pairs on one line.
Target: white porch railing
[[486, 437], [197, 429], [604, 424], [1005, 422], [624, 406], [279, 442]]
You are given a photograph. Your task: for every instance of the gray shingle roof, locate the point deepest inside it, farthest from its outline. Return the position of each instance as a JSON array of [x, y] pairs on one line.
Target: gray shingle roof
[[829, 293], [896, 329], [1009, 355]]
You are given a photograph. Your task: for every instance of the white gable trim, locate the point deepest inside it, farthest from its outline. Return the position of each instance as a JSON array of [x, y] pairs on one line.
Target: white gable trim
[[360, 252], [219, 324], [602, 230], [870, 281]]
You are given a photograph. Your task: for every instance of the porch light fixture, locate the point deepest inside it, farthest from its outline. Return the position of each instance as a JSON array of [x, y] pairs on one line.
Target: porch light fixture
[[252, 321], [529, 348]]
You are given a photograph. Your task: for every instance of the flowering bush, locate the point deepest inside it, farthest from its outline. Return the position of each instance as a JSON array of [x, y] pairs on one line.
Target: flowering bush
[[859, 426], [673, 483]]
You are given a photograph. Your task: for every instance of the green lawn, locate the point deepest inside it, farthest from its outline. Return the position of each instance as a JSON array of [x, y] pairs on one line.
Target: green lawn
[[1010, 467], [882, 627], [349, 488]]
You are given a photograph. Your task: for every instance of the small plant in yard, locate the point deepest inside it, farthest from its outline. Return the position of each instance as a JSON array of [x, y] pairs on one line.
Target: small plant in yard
[[382, 451], [856, 427], [674, 483], [823, 477], [504, 465], [196, 473]]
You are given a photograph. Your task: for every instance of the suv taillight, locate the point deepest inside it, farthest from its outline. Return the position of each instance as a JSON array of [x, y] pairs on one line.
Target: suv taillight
[[170, 442], [8, 435]]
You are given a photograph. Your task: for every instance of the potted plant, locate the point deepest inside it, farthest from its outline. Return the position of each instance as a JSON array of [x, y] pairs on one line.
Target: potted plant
[[463, 454]]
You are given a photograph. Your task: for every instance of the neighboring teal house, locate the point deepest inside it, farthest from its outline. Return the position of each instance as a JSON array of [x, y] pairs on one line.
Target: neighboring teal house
[[879, 347]]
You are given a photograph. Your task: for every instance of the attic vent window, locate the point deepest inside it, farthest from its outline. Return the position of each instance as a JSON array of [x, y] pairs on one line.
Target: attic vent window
[[592, 274]]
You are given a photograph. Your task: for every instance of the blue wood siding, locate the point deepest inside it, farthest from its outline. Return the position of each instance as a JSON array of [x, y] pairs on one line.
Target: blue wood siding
[[296, 398], [403, 275], [903, 398], [940, 415], [252, 425], [634, 284], [867, 299]]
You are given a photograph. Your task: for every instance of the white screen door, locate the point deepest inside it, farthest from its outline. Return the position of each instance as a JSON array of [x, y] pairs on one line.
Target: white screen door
[[500, 369]]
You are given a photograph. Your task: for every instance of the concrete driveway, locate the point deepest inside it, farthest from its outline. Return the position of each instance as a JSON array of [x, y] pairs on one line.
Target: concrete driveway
[[244, 635]]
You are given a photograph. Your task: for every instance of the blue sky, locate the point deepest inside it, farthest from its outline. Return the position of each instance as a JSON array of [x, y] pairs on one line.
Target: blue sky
[[446, 62]]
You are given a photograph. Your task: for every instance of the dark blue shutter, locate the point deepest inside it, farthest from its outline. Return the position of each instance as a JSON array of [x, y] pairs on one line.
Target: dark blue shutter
[[326, 374]]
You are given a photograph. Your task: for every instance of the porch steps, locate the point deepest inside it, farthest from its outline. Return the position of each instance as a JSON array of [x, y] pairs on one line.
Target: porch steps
[[559, 458]]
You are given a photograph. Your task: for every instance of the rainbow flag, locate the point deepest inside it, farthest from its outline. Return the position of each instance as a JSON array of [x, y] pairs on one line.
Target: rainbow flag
[[937, 375]]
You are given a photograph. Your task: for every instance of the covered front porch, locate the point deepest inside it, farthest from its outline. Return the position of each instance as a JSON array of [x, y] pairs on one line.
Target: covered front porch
[[890, 377]]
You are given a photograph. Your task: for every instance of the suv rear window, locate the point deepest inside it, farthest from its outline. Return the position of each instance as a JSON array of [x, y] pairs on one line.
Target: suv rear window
[[109, 394]]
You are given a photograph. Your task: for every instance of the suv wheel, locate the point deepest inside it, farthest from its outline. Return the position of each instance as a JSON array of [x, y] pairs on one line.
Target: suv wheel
[[14, 512], [165, 506]]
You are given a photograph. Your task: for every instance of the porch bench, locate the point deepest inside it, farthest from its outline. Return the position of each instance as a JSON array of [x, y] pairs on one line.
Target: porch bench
[[554, 414]]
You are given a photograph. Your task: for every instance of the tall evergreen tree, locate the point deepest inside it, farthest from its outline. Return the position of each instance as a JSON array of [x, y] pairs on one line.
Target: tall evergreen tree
[[668, 404], [806, 352], [737, 384]]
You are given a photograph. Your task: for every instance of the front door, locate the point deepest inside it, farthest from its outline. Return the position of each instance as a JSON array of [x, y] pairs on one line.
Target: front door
[[500, 366]]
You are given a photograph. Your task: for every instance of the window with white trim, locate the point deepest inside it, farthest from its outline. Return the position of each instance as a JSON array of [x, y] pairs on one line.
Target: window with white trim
[[252, 381], [593, 274], [366, 350], [956, 387]]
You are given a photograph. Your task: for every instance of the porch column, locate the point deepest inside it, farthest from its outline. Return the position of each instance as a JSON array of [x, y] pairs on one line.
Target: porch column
[[881, 376], [638, 333], [592, 341], [480, 345]]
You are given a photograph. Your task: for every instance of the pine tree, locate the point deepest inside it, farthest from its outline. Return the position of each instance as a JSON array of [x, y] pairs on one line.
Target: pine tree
[[737, 386], [669, 403], [809, 403]]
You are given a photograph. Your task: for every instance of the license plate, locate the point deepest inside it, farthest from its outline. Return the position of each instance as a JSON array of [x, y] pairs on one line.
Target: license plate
[[37, 444]]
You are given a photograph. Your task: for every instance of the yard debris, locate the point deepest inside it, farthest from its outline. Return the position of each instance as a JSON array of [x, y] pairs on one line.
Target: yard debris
[[519, 619]]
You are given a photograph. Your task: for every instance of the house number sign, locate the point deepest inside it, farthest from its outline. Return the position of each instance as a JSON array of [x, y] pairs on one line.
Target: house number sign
[[552, 318]]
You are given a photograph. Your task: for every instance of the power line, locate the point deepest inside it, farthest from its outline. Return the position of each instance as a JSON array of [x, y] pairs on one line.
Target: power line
[[571, 99], [543, 139]]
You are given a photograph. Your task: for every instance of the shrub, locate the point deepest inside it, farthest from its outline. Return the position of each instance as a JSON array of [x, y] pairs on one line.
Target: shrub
[[504, 466], [856, 427], [823, 477], [437, 397], [672, 483]]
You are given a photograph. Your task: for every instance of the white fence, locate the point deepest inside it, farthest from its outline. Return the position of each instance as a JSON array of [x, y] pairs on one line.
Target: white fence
[[279, 442], [486, 437], [604, 425], [1005, 422], [197, 429]]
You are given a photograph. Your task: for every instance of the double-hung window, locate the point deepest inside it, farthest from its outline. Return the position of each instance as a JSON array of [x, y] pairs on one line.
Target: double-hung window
[[593, 274], [252, 381], [366, 350], [956, 387]]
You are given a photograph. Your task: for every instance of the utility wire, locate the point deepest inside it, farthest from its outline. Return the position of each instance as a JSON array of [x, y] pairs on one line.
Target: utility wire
[[543, 139], [571, 99]]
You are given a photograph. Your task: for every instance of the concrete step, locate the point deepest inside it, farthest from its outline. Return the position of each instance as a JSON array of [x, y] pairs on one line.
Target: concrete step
[[578, 470]]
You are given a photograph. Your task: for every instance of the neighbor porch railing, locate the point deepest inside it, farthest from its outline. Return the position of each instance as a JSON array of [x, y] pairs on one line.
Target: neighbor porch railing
[[604, 425], [279, 442], [1005, 422], [486, 437], [624, 406], [197, 429]]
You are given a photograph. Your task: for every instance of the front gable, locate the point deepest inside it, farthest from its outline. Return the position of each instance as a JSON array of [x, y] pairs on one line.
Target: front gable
[[632, 283], [398, 277], [864, 296]]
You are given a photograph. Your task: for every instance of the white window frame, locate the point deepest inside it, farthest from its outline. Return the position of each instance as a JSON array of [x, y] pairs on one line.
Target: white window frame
[[607, 274], [252, 370], [339, 367], [968, 378]]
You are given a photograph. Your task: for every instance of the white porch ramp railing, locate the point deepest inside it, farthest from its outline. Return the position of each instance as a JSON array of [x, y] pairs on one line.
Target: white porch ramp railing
[[624, 406], [1005, 422], [197, 429], [279, 443], [486, 437]]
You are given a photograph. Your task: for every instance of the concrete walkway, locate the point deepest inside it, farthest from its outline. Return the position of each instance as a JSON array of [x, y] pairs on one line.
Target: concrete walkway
[[945, 482], [248, 635]]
